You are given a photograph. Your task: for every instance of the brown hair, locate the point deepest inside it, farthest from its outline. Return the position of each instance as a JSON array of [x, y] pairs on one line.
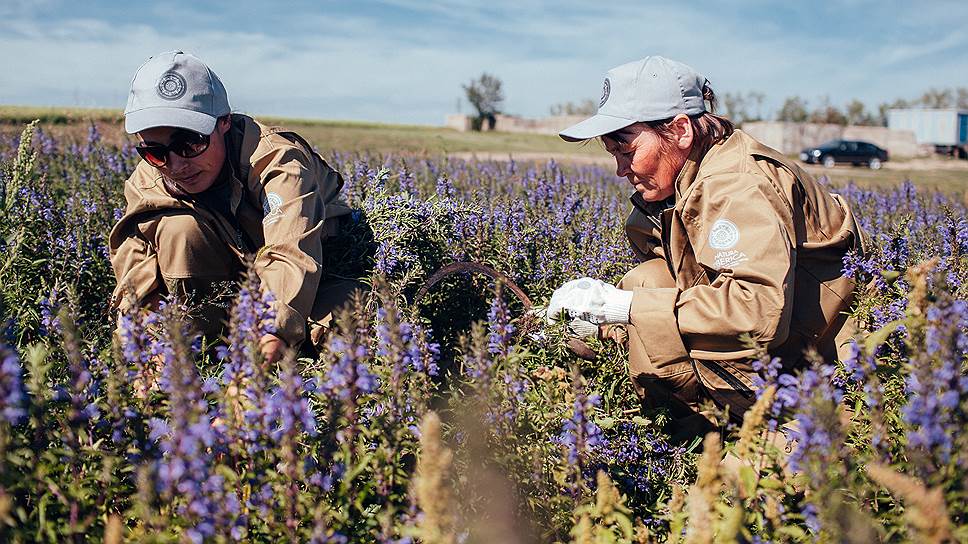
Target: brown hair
[[708, 128]]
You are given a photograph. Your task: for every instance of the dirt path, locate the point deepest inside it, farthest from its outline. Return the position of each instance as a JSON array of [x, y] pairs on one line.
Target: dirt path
[[534, 156]]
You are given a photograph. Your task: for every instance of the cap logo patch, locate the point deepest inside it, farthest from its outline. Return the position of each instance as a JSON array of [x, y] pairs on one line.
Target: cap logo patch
[[171, 86], [606, 89], [723, 235]]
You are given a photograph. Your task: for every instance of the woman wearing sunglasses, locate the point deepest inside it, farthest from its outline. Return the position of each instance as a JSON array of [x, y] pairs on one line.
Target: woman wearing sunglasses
[[212, 188]]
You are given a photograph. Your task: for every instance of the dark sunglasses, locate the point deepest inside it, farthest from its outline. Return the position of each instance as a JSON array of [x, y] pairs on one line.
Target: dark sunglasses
[[184, 143]]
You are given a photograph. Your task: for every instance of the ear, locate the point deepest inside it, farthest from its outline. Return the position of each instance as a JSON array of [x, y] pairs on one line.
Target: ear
[[683, 134], [224, 123]]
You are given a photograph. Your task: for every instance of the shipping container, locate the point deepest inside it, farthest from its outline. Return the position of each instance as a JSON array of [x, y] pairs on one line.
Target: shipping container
[[948, 127]]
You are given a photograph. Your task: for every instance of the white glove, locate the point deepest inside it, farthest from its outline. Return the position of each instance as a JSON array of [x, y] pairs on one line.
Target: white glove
[[582, 329], [592, 301], [579, 328]]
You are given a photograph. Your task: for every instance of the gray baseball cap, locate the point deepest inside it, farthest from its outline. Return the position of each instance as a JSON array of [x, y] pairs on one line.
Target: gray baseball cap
[[175, 89], [650, 89]]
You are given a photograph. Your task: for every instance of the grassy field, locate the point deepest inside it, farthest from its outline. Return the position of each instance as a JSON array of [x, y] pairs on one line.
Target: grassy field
[[946, 175], [326, 135], [941, 177]]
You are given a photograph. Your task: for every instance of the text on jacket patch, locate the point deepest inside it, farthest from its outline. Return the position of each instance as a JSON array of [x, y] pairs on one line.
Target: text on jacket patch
[[729, 259]]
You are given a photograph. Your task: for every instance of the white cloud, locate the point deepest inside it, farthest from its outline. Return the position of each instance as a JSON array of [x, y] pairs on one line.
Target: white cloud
[[365, 66], [901, 52]]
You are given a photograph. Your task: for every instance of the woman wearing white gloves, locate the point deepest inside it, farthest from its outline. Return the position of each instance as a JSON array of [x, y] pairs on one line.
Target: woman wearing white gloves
[[733, 237]]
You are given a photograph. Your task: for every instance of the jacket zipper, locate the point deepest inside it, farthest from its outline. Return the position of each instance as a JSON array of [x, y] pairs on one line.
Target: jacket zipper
[[664, 232], [733, 381], [732, 415]]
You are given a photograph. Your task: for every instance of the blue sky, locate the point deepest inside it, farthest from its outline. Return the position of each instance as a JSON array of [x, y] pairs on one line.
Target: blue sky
[[404, 61]]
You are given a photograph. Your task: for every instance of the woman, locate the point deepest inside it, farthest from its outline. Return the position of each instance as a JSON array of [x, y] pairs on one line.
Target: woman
[[213, 188], [735, 240]]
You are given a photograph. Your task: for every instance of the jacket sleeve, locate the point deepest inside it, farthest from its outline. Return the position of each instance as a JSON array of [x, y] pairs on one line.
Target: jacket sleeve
[[134, 261], [289, 262], [739, 228], [643, 234]]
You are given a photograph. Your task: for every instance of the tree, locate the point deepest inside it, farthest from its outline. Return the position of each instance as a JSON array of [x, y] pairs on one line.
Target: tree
[[882, 109], [741, 108], [734, 106], [827, 113], [485, 94], [794, 110], [585, 107], [937, 98], [857, 114], [755, 102]]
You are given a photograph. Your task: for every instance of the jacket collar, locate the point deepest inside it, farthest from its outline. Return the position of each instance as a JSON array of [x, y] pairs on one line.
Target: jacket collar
[[235, 154], [691, 168]]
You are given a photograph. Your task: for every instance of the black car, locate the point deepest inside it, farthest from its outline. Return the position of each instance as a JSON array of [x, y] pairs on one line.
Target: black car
[[854, 152]]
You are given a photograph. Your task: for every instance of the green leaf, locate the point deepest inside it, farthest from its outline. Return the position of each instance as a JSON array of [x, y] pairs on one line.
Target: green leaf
[[793, 531], [625, 524], [770, 483], [890, 275], [748, 478], [879, 336]]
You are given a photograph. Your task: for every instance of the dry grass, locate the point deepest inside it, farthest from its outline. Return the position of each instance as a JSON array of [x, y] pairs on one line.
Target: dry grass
[[56, 115], [328, 136], [347, 136], [941, 177], [925, 511]]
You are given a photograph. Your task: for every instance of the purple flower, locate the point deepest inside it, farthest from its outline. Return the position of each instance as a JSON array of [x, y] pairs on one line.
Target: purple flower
[[49, 307], [579, 433], [349, 377], [407, 343], [936, 385], [499, 327], [288, 411], [13, 398], [818, 436], [243, 371], [140, 347], [186, 470]]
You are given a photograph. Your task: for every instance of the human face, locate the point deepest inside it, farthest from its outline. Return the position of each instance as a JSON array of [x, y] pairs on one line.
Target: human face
[[649, 160], [198, 173]]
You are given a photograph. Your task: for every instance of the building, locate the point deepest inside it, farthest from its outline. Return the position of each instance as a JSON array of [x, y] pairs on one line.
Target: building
[[945, 129], [791, 138], [513, 123]]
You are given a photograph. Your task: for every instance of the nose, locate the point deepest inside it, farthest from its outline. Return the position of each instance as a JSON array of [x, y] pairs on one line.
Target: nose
[[621, 166], [176, 163]]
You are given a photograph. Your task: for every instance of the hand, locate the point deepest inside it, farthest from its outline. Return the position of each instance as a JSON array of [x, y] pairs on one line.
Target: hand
[[577, 327], [272, 348], [592, 301], [582, 328]]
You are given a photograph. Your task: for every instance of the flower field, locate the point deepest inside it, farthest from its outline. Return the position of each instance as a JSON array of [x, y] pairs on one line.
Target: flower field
[[451, 420]]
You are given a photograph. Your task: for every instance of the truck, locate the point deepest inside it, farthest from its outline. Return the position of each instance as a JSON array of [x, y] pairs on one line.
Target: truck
[[945, 129]]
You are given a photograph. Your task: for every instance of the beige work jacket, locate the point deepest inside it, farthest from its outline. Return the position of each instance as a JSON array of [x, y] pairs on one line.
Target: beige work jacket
[[755, 245], [282, 195]]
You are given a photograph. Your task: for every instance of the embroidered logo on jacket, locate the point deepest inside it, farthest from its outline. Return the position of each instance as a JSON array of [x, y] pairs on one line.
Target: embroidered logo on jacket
[[723, 235], [271, 209]]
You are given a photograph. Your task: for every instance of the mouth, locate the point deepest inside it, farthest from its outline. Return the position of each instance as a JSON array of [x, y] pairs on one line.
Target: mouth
[[637, 181], [187, 180]]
